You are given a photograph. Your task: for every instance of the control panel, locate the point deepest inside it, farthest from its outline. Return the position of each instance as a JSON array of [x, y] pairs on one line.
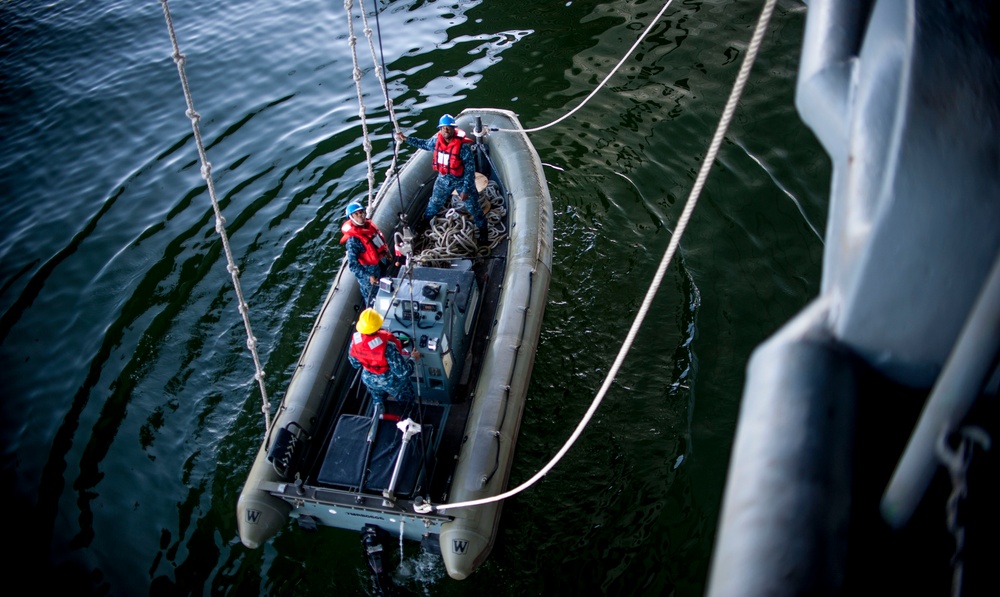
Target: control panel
[[432, 310]]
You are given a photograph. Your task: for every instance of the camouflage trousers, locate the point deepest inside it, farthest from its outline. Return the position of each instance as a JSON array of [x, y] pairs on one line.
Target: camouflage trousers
[[385, 385], [443, 188]]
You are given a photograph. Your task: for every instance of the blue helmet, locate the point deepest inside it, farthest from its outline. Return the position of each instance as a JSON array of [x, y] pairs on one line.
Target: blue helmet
[[446, 120], [352, 207]]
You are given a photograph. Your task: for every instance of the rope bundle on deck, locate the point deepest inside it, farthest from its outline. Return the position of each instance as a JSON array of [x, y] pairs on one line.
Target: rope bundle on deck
[[452, 235]]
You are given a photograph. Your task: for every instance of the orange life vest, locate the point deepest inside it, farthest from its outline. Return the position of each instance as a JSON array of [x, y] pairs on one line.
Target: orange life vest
[[447, 158], [369, 350], [370, 237]]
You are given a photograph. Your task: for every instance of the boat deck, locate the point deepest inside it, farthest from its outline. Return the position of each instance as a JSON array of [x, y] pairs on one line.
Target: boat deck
[[337, 462]]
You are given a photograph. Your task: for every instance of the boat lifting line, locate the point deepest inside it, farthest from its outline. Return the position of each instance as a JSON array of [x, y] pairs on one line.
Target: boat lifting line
[[421, 506], [352, 40], [682, 222], [220, 221]]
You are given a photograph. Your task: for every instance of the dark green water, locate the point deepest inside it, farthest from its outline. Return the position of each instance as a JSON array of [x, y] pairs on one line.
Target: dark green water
[[130, 416]]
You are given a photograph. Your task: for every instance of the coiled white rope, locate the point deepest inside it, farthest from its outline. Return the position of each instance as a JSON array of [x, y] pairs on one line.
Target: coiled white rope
[[220, 222], [682, 222], [452, 235]]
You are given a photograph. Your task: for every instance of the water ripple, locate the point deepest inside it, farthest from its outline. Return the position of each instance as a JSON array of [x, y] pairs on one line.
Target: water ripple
[[130, 415]]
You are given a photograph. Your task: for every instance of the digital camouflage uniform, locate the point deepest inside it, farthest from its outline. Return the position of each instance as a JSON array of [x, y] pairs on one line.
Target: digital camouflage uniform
[[355, 248], [446, 183], [396, 382]]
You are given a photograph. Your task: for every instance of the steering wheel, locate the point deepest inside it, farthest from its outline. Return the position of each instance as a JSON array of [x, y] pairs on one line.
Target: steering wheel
[[403, 337]]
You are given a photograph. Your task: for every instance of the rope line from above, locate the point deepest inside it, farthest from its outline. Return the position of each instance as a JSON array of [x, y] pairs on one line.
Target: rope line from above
[[362, 109], [675, 239], [352, 41], [220, 221], [380, 73], [649, 28]]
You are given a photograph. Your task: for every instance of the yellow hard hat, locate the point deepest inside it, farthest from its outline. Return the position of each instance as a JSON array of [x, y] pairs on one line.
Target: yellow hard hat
[[369, 321]]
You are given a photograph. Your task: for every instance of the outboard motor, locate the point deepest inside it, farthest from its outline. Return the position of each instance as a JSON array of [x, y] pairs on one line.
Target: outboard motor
[[371, 545]]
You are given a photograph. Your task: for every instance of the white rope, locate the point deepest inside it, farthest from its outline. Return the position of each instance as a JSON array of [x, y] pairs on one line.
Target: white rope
[[220, 222], [682, 223], [352, 40], [601, 86], [453, 235], [362, 109], [380, 75]]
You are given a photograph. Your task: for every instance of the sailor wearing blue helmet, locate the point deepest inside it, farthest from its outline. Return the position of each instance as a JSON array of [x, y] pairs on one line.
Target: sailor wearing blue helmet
[[367, 252], [455, 164]]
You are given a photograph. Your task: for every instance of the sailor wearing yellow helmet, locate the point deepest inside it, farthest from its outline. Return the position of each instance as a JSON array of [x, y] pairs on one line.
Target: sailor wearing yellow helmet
[[379, 354]]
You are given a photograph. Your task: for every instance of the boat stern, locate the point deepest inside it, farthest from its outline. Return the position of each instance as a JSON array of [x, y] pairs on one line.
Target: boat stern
[[464, 548], [259, 516]]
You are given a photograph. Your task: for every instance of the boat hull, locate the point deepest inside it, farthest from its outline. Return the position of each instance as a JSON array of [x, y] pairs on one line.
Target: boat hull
[[495, 404], [503, 385]]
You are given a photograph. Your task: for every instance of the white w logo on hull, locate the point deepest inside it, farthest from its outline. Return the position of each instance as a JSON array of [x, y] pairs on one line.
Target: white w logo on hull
[[253, 516], [459, 545]]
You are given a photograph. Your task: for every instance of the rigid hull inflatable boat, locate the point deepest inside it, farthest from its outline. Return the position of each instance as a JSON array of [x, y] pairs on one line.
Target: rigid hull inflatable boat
[[334, 458]]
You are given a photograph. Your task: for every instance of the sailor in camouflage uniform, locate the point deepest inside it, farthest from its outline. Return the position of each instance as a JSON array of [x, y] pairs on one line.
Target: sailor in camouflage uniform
[[455, 163], [379, 353], [367, 252]]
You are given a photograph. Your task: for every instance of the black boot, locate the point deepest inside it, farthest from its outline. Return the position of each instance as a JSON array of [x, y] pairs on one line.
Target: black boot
[[421, 225], [484, 235]]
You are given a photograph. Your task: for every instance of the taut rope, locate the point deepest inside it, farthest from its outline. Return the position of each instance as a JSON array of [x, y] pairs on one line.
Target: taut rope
[[362, 109], [220, 222], [682, 222]]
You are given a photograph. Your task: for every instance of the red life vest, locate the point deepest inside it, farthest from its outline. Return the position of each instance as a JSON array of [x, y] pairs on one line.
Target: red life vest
[[369, 350], [446, 155], [371, 239]]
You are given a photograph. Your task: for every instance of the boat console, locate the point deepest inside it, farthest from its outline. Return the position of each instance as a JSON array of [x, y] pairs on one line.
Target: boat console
[[433, 310]]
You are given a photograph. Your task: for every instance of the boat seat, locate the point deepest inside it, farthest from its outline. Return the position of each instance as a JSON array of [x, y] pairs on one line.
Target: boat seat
[[344, 462]]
